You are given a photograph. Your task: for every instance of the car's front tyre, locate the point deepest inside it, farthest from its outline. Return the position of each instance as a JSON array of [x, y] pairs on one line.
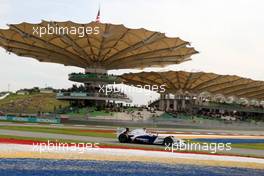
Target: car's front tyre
[[168, 141]]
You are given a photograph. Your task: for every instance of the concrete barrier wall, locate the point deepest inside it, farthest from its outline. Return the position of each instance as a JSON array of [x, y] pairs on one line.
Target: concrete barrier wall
[[29, 119]]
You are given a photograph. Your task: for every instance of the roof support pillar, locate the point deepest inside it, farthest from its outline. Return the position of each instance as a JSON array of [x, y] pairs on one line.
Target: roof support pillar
[[162, 102], [168, 104], [175, 108]]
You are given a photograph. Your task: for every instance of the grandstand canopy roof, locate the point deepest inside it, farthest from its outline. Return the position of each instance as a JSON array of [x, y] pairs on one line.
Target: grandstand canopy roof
[[198, 82], [115, 47]]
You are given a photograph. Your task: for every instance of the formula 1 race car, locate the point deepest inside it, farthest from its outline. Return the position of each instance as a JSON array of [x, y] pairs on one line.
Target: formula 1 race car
[[141, 136]]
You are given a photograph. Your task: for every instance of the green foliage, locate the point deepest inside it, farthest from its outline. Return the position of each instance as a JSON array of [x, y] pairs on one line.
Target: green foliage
[[32, 103]]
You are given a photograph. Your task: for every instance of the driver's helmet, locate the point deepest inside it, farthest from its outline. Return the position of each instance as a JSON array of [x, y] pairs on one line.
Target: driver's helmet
[[126, 131]]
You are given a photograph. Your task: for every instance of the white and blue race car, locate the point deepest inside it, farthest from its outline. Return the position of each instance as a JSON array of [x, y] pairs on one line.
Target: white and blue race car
[[141, 136]]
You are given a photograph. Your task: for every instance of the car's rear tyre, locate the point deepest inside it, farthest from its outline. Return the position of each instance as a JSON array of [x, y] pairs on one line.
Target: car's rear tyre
[[123, 138], [168, 141]]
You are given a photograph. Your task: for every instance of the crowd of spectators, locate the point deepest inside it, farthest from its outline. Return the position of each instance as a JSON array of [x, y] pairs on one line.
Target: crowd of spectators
[[94, 75]]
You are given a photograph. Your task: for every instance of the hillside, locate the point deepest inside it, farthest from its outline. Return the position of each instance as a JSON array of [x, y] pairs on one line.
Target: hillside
[[33, 103]]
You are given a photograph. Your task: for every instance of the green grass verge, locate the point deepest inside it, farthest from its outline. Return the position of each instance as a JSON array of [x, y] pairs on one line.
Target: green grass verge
[[60, 131], [37, 139], [256, 146]]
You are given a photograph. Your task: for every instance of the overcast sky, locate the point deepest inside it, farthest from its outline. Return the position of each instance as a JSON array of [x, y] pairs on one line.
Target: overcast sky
[[229, 34]]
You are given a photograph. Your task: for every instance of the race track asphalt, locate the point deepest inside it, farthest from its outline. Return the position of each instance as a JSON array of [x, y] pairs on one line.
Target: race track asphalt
[[236, 151]]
